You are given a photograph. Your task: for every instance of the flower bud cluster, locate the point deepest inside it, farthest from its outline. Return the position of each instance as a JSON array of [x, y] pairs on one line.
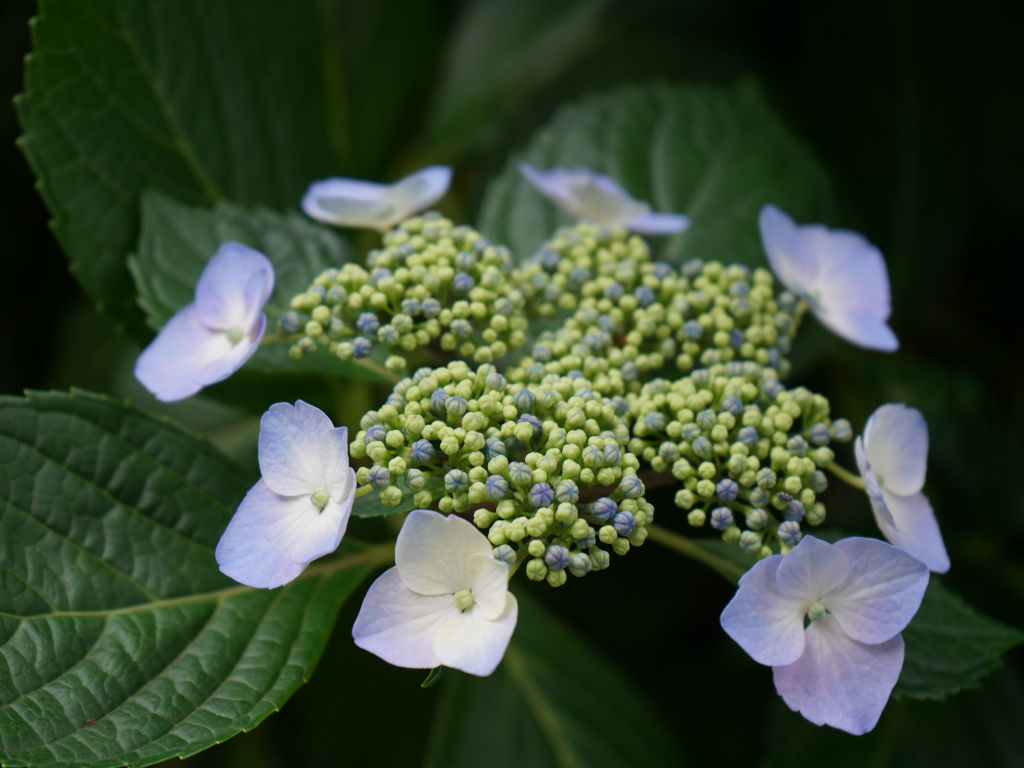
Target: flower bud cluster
[[747, 452], [632, 319], [542, 468], [430, 282]]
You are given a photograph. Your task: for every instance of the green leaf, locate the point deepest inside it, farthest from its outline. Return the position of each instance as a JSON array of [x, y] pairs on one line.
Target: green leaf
[[553, 701], [499, 51], [120, 641], [177, 240], [950, 646], [204, 101], [714, 154]]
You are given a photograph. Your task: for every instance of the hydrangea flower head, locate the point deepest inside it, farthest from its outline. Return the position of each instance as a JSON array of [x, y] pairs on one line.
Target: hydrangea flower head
[[827, 618], [211, 338], [892, 458], [445, 602], [598, 198], [354, 203], [299, 508], [838, 273]]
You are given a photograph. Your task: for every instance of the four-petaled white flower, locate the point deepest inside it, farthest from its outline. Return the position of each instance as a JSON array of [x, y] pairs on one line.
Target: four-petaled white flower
[[209, 339], [827, 618], [595, 197], [299, 509], [892, 459], [445, 602], [838, 273], [355, 203]]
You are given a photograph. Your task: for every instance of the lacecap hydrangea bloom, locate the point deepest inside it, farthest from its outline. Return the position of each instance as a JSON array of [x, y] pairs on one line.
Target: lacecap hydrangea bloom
[[445, 602], [211, 338], [299, 508], [354, 203], [840, 275], [598, 198], [892, 458], [827, 618]]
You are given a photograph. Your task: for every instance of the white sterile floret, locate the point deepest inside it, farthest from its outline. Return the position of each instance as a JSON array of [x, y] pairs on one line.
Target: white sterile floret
[[892, 459], [598, 198], [446, 601], [827, 618], [838, 273], [209, 339], [354, 203], [299, 509]]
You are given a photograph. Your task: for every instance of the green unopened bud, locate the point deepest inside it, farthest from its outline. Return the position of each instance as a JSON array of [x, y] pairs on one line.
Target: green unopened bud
[[536, 570], [557, 578], [391, 496]]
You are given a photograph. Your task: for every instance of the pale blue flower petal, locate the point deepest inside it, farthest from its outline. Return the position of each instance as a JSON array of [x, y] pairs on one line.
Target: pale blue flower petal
[[839, 681], [260, 544], [470, 642], [916, 531], [233, 287], [187, 355], [883, 592], [765, 623], [354, 203], [553, 184], [896, 443], [658, 224], [433, 552], [399, 625], [883, 517], [324, 533], [294, 458], [813, 569], [784, 246]]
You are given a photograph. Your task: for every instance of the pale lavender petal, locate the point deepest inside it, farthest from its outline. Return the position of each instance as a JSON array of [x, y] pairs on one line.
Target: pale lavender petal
[[399, 625], [338, 475], [187, 356], [658, 224], [813, 569], [433, 552], [916, 531], [883, 592], [291, 458], [862, 328], [324, 533], [553, 184], [420, 190], [883, 517], [838, 681], [489, 579], [896, 444], [469, 642], [233, 287], [765, 623], [258, 546], [783, 245], [348, 203]]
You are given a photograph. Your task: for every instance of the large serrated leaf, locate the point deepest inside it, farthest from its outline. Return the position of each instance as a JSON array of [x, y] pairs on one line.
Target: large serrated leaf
[[950, 646], [553, 701], [202, 100], [120, 641], [177, 240], [714, 154]]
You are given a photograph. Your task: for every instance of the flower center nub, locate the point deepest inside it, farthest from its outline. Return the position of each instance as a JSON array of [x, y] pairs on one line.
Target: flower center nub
[[464, 600], [234, 334], [816, 611], [320, 497]]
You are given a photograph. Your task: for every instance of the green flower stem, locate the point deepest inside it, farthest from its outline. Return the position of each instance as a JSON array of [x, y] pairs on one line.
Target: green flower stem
[[845, 475], [691, 549], [377, 368]]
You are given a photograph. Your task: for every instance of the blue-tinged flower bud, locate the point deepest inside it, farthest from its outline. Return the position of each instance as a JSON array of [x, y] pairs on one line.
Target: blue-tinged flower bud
[[643, 295], [375, 433], [463, 282], [693, 330], [794, 511], [819, 481], [430, 307], [603, 509], [726, 489], [496, 487], [772, 388], [520, 474], [495, 447], [557, 557], [361, 347], [819, 434], [707, 419], [842, 432], [291, 321], [701, 447], [567, 491], [789, 532], [378, 476], [541, 494], [757, 519], [766, 478], [579, 564], [631, 487], [455, 480], [421, 451], [623, 523], [721, 518], [750, 542], [455, 408], [367, 323], [505, 554]]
